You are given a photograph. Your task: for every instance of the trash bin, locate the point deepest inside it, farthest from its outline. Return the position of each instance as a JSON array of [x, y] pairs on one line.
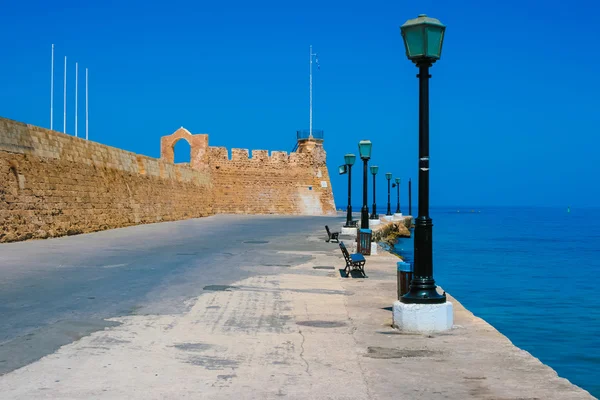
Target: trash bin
[[405, 273], [363, 242]]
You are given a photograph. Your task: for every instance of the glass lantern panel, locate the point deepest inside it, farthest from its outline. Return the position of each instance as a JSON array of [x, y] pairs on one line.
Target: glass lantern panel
[[349, 158], [364, 148], [413, 41], [435, 35]]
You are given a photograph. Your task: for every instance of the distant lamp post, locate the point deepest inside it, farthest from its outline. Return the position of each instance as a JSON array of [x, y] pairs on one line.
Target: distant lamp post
[[423, 38], [374, 170], [397, 186], [364, 149], [388, 176], [349, 159], [409, 197]]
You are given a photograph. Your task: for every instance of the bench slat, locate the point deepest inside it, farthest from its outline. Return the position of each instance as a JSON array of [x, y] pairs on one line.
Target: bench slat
[[357, 257], [353, 261]]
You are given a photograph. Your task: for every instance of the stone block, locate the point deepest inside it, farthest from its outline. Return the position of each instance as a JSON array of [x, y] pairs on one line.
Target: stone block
[[348, 231], [374, 222], [423, 318]]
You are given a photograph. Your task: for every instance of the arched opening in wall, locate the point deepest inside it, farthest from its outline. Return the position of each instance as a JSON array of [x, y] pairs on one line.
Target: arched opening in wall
[[183, 152]]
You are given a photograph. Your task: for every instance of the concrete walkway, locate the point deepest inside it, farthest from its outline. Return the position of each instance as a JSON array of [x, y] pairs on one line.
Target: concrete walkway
[[55, 291], [305, 333]]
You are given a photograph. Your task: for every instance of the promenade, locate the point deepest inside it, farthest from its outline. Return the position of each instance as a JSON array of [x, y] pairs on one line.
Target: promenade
[[245, 307]]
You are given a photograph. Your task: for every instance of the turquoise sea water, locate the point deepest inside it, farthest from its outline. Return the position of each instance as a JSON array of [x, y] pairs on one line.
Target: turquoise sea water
[[532, 273]]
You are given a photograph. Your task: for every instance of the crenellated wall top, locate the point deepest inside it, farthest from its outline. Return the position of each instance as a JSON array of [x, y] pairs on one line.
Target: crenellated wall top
[[220, 156], [202, 154]]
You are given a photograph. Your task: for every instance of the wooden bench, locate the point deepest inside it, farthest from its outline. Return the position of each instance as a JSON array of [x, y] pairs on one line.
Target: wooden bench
[[331, 236], [353, 261]]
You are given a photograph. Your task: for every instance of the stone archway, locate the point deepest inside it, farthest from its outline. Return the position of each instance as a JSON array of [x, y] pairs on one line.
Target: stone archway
[[198, 147]]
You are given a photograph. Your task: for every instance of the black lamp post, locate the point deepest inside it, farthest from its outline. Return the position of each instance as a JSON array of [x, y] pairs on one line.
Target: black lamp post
[[374, 170], [397, 185], [423, 37], [349, 159], [409, 197], [364, 149], [388, 176]]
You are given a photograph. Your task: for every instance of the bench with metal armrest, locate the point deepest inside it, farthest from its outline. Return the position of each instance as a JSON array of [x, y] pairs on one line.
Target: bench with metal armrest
[[331, 236], [354, 261]]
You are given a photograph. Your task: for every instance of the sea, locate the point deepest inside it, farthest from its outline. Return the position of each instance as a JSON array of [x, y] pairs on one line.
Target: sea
[[532, 273]]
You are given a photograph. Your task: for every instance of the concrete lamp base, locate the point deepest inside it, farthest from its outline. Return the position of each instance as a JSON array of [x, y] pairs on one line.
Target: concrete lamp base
[[388, 217], [348, 231], [423, 318], [373, 249], [397, 216], [374, 222]]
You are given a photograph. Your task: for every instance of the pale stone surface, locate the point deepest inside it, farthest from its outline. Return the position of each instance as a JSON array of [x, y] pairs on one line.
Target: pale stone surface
[[388, 217], [348, 231], [301, 334], [373, 248], [397, 216], [374, 222], [423, 318]]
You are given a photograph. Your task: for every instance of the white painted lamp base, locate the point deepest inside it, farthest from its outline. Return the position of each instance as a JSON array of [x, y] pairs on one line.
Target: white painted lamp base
[[423, 318], [397, 216], [348, 231], [388, 217], [373, 248], [374, 222]]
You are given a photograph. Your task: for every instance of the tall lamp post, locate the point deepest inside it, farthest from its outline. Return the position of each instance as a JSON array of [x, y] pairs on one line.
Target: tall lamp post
[[388, 176], [374, 170], [397, 185], [409, 196], [349, 159], [423, 38], [364, 149]]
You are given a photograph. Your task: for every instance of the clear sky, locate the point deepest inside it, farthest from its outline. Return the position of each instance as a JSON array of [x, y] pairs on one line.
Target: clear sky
[[514, 100]]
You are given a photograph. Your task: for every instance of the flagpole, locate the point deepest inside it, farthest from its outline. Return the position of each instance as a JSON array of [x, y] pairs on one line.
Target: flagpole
[[52, 89], [86, 104], [310, 123], [76, 90], [65, 99]]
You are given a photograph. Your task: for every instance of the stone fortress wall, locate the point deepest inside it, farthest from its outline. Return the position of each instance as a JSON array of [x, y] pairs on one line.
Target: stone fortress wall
[[280, 183], [52, 184]]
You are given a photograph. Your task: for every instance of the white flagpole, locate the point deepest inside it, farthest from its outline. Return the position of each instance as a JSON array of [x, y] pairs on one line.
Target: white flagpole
[[86, 104], [76, 89], [310, 124], [52, 89], [65, 99]]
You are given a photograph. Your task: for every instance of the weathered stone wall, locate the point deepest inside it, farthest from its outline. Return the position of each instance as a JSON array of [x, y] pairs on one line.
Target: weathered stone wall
[[297, 183], [390, 231], [53, 184]]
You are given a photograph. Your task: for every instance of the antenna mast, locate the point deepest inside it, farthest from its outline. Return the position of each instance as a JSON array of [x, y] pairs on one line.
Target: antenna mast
[[86, 104], [65, 99], [76, 90], [52, 91], [311, 85]]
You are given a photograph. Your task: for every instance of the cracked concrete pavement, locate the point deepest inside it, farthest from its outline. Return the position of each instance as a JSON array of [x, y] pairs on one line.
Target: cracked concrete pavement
[[305, 332]]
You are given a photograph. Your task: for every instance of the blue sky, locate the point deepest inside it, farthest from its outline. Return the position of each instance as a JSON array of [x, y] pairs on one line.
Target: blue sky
[[514, 106]]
